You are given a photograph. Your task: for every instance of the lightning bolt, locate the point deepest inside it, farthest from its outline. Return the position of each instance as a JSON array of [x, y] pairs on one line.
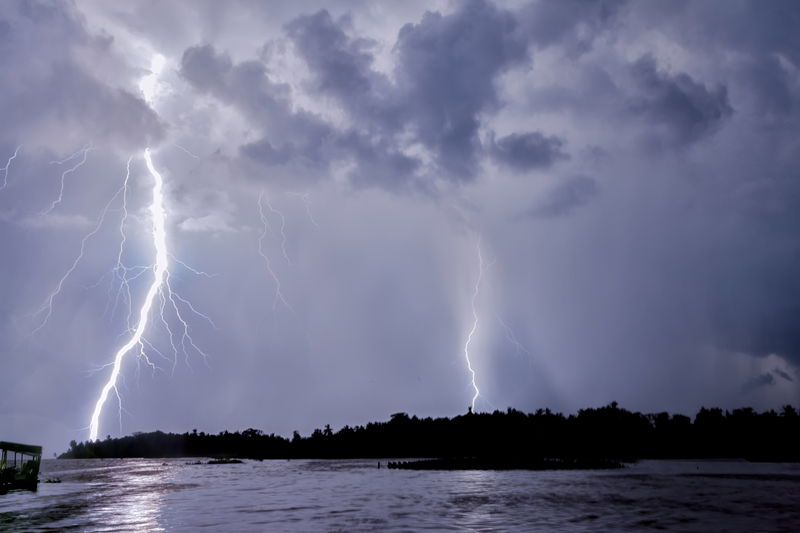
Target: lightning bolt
[[267, 228], [474, 326], [84, 151], [8, 165], [171, 303], [160, 286], [159, 276]]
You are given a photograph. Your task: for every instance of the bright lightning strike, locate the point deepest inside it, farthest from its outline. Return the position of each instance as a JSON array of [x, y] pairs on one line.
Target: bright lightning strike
[[267, 228], [474, 326], [8, 165], [160, 287], [170, 303], [159, 275]]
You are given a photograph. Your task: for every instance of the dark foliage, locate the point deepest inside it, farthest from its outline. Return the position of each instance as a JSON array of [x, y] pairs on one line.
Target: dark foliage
[[506, 463], [606, 433]]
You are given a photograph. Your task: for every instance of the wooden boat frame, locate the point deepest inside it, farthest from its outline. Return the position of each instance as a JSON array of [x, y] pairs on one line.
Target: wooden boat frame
[[20, 471]]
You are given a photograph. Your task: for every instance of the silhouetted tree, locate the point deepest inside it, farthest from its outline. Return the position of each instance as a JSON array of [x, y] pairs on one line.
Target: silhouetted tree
[[593, 434]]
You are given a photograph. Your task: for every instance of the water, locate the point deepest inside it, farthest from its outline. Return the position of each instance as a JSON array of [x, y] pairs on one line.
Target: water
[[156, 495]]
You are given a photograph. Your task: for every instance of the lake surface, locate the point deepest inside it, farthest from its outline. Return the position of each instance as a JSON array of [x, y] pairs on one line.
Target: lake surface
[[354, 495]]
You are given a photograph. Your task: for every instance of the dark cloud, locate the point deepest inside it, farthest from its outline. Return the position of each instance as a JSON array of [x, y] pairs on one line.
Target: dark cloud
[[760, 320], [679, 108], [571, 24], [446, 67], [51, 90], [773, 87], [758, 382], [341, 67], [565, 197], [526, 151], [380, 163], [446, 71], [754, 29], [245, 85], [296, 137], [780, 373]]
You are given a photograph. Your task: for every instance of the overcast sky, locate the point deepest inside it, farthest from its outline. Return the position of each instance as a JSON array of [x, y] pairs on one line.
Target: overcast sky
[[629, 171]]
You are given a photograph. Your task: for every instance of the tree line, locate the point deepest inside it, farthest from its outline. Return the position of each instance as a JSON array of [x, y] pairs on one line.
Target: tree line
[[608, 432]]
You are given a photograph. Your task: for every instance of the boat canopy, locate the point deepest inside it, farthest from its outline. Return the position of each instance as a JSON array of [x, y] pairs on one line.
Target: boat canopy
[[21, 448]]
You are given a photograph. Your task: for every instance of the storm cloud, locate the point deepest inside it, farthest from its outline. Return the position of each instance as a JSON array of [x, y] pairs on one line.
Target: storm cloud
[[61, 78], [630, 172]]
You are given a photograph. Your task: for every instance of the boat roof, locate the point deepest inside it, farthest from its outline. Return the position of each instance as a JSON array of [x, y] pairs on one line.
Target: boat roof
[[21, 448]]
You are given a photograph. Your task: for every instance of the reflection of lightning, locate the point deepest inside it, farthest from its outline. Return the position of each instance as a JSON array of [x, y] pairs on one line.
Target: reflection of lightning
[[474, 325], [159, 287], [8, 165], [263, 254], [85, 150]]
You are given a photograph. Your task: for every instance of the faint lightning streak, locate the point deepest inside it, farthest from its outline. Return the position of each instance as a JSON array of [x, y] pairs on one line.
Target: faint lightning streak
[[159, 275], [79, 164], [8, 165], [474, 325], [119, 266], [307, 203], [263, 254], [186, 150], [47, 306], [71, 156], [282, 230], [192, 269], [511, 337]]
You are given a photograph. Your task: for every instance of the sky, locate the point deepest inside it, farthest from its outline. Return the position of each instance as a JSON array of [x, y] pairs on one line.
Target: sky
[[605, 194]]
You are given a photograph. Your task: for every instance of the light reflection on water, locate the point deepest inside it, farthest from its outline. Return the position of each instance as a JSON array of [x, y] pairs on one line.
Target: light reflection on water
[[163, 496]]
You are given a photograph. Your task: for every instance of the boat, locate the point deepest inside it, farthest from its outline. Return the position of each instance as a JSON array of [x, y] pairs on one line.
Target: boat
[[20, 470]]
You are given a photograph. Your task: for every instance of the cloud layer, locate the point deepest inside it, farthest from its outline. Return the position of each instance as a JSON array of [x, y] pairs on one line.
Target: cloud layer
[[631, 170]]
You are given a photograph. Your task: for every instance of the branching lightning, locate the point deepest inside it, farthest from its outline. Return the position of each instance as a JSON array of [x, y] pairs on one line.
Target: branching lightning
[[266, 229], [46, 309], [84, 152], [159, 276], [160, 297], [8, 165], [160, 287], [474, 326]]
